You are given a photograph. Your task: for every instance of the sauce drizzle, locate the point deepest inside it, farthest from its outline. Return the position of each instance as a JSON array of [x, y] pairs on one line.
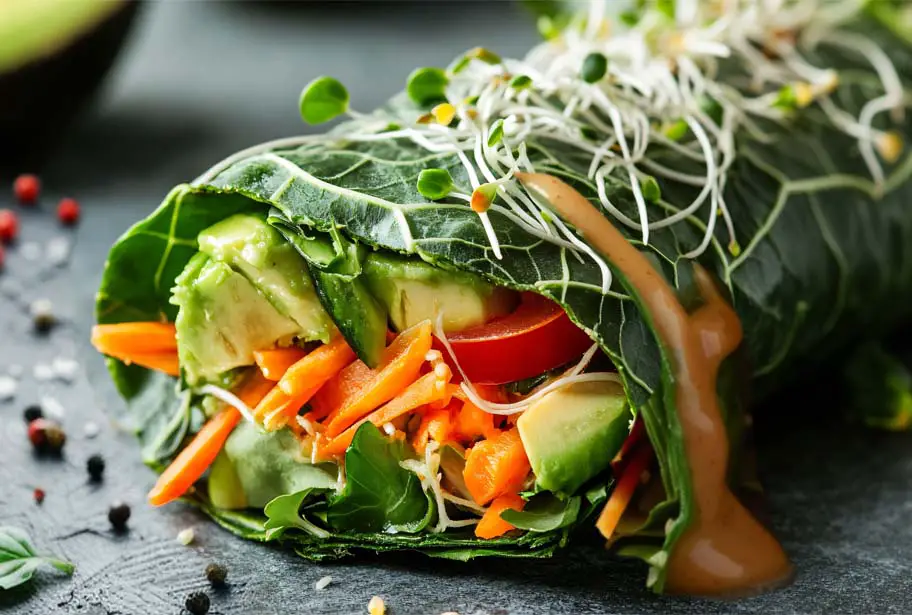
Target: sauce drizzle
[[725, 551]]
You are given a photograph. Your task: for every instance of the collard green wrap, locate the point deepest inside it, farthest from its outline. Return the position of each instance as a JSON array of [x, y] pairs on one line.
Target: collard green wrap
[[826, 257]]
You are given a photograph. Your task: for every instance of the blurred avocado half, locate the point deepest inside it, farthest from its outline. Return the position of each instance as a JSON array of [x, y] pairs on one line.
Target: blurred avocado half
[[54, 55]]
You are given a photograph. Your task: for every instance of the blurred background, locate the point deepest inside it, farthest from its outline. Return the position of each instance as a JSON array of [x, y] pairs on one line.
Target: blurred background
[[147, 94]]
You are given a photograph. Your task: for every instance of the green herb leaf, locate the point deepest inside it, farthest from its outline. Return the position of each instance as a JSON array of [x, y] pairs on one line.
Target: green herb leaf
[[434, 184], [379, 494], [427, 86], [322, 100], [594, 68], [544, 513], [521, 82], [284, 513], [651, 190], [18, 560], [495, 134]]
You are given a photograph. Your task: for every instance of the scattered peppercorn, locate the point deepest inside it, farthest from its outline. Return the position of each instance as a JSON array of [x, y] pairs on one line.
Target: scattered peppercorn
[[32, 412], [216, 574], [95, 466], [118, 515], [42, 312], [68, 211], [26, 188], [38, 494], [46, 436], [9, 225], [197, 603]]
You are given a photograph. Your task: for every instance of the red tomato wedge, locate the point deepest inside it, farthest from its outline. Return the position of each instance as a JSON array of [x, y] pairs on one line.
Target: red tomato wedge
[[536, 337]]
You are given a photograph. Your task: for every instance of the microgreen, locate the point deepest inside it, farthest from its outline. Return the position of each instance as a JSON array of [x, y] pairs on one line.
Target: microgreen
[[594, 68], [495, 134], [483, 197], [434, 184], [18, 560], [322, 100], [521, 82], [651, 190], [427, 86]]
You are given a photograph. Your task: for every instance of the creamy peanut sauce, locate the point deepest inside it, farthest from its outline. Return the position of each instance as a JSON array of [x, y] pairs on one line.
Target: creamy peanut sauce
[[725, 550]]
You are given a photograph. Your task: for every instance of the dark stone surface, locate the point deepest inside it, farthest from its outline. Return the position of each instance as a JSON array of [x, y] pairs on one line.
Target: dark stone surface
[[204, 79]]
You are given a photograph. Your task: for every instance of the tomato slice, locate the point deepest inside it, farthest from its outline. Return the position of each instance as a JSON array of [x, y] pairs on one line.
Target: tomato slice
[[534, 338]]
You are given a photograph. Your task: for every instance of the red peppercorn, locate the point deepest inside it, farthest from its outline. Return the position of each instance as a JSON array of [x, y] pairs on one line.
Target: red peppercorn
[[38, 494], [9, 225], [68, 211], [26, 188], [46, 436]]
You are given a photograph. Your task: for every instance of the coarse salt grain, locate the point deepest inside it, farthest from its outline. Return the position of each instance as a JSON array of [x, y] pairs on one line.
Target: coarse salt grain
[[52, 407], [186, 536], [8, 388], [323, 582], [91, 429], [65, 369], [30, 251], [41, 307], [42, 372], [58, 251], [15, 371]]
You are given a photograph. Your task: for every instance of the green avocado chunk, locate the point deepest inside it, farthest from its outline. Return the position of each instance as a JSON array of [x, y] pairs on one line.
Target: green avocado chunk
[[255, 467], [414, 291], [258, 252], [573, 433], [222, 320]]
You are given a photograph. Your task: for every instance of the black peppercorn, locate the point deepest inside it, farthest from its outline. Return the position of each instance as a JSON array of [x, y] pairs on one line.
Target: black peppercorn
[[44, 322], [118, 515], [216, 574], [197, 603], [95, 466], [32, 412]]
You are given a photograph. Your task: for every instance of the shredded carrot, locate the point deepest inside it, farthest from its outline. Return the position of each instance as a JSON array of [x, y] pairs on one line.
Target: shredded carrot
[[472, 423], [429, 388], [436, 424], [488, 392], [193, 461], [359, 389], [152, 345], [274, 363], [496, 467], [126, 338], [307, 375], [623, 491], [633, 438], [491, 524]]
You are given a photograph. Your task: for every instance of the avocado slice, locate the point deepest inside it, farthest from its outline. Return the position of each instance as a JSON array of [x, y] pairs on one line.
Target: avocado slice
[[255, 467], [259, 252], [573, 433], [48, 47], [413, 291], [222, 320]]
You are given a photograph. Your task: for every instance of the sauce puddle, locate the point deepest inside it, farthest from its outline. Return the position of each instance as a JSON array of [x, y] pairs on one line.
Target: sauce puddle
[[725, 551]]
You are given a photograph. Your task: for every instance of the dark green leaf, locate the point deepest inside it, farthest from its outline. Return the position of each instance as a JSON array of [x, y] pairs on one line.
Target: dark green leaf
[[544, 513], [322, 100], [18, 560], [379, 494], [284, 513], [434, 184], [427, 86]]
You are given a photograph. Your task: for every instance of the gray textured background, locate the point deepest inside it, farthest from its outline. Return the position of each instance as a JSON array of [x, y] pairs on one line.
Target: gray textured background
[[201, 80]]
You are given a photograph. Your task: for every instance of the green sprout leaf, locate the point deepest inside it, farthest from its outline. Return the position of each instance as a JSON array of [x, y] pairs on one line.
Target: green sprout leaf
[[589, 133], [650, 188], [485, 55], [676, 130], [322, 100], [427, 86], [18, 561], [495, 135], [434, 184], [520, 82], [594, 68]]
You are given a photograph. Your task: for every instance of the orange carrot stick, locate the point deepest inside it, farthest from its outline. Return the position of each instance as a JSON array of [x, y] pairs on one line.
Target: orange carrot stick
[[127, 338], [472, 423], [491, 524], [193, 461], [312, 371], [274, 363], [623, 491], [436, 424], [359, 389], [496, 467], [429, 388]]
